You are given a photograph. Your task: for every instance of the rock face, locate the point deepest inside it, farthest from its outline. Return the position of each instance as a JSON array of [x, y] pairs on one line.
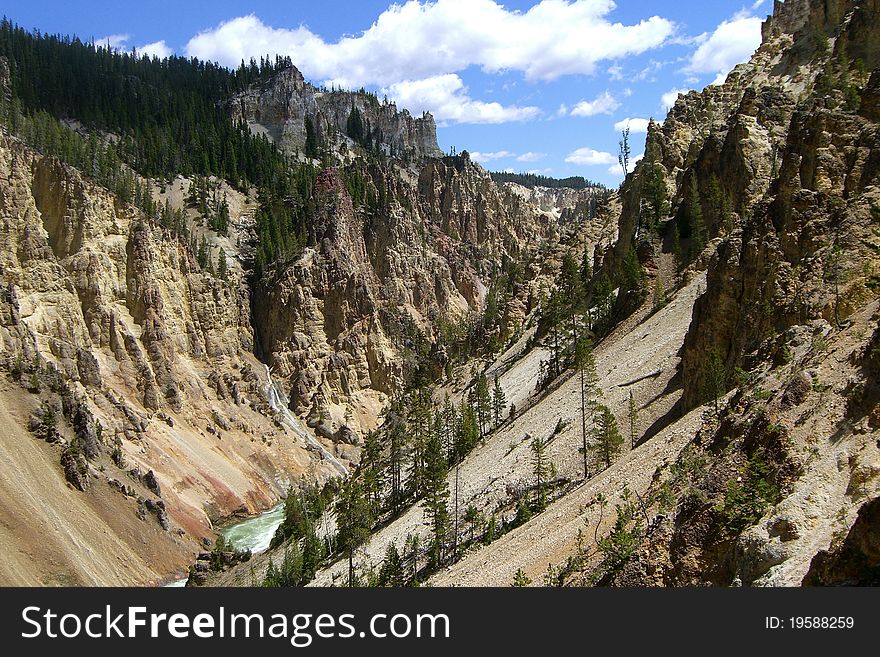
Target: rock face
[[341, 323], [283, 106], [794, 158], [856, 560], [784, 156], [108, 313]]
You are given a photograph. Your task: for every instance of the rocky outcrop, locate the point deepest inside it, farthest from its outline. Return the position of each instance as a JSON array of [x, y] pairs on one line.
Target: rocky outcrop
[[855, 560], [282, 106]]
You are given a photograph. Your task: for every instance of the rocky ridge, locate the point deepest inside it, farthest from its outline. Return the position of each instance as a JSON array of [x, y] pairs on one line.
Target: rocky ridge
[[283, 106]]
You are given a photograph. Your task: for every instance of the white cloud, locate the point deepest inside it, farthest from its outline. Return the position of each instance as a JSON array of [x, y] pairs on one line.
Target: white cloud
[[649, 71], [588, 157], [731, 43], [668, 99], [604, 103], [158, 49], [446, 97], [115, 41], [757, 4], [477, 156], [420, 39], [617, 170], [530, 157], [636, 126]]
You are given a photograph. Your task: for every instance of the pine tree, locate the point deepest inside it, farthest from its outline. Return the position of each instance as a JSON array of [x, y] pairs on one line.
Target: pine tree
[[603, 295], [586, 269], [633, 417], [606, 435], [482, 403], [419, 429], [520, 579], [221, 266], [436, 496], [467, 433], [589, 380], [311, 145], [542, 469], [660, 299], [658, 195], [391, 573], [554, 314], [675, 246], [570, 282], [499, 402], [411, 550], [633, 273], [695, 217], [624, 151], [202, 256], [313, 553], [373, 474], [353, 520], [397, 446]]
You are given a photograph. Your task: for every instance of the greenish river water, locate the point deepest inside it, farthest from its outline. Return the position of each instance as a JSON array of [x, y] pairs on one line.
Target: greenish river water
[[254, 534]]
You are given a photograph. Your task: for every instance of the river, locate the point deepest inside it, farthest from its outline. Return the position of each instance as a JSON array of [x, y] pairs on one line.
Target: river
[[255, 534]]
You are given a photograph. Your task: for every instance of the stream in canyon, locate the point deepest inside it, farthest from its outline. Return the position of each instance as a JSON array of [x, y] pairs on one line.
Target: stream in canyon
[[255, 534]]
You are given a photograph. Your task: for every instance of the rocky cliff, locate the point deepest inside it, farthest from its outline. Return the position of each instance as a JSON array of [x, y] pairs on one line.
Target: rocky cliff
[[783, 157], [141, 377], [282, 107], [803, 245]]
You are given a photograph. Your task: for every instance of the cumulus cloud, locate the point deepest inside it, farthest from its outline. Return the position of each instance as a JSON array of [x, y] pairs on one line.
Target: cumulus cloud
[[636, 126], [731, 43], [604, 103], [158, 49], [446, 97], [668, 99], [115, 41], [420, 39], [617, 170], [588, 157], [530, 157], [477, 156]]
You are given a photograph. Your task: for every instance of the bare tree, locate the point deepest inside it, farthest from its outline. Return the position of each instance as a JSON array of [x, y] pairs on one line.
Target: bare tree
[[624, 152]]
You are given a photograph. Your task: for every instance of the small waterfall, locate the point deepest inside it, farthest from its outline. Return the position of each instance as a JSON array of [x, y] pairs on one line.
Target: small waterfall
[[278, 402]]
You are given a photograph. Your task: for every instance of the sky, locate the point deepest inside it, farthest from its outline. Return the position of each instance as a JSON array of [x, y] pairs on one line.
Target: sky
[[542, 86]]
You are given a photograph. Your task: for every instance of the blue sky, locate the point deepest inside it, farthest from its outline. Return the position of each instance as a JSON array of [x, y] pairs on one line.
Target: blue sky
[[541, 86]]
